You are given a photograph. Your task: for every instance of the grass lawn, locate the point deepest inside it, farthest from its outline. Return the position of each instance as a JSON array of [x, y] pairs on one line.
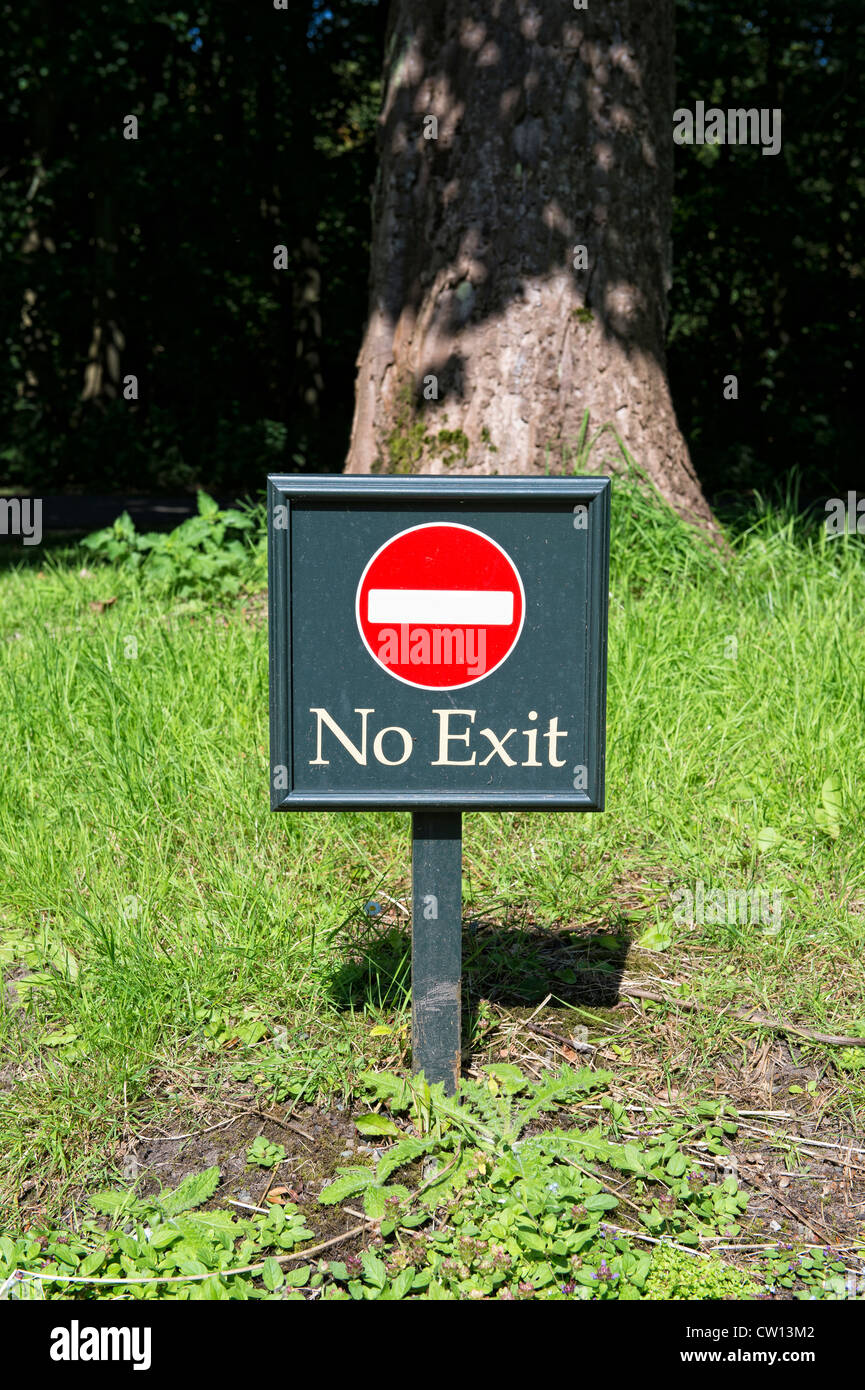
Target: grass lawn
[[180, 962]]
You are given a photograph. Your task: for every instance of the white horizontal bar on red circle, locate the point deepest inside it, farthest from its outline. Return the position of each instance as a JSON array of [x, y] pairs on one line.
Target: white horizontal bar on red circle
[[464, 607]]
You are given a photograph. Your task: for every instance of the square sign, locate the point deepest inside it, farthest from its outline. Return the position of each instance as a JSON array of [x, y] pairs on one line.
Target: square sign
[[438, 642]]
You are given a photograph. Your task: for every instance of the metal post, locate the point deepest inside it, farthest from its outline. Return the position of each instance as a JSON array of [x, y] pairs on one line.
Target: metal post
[[436, 949]]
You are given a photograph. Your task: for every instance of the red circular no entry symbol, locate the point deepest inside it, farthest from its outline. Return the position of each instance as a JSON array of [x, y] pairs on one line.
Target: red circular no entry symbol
[[440, 606]]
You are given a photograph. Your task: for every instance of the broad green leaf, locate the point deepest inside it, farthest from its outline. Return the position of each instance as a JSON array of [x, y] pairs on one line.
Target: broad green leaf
[[767, 839], [826, 822], [349, 1182], [376, 1124], [532, 1241], [406, 1151], [195, 1189], [632, 1159], [832, 796], [251, 1032], [272, 1275], [210, 1290], [374, 1269], [62, 1038], [401, 1284], [600, 1201], [206, 505], [163, 1236], [214, 1221], [374, 1201], [375, 1198], [509, 1077], [656, 938], [111, 1203], [385, 1086]]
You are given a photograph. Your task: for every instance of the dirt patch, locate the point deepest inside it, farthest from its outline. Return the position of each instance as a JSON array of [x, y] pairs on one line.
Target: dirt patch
[[316, 1143]]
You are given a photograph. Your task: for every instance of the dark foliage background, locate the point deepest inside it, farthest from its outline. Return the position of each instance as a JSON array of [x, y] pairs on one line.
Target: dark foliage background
[[768, 277], [256, 129]]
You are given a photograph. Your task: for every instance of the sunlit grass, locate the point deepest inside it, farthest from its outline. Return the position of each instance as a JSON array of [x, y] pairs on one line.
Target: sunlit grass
[[145, 888]]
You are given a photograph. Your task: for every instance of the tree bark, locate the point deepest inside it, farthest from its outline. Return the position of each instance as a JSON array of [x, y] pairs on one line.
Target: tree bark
[[486, 342]]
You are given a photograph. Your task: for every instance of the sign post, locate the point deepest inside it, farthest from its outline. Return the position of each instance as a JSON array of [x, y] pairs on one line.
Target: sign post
[[437, 645], [436, 945]]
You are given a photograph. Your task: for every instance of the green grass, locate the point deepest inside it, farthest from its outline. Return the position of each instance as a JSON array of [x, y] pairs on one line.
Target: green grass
[[153, 911]]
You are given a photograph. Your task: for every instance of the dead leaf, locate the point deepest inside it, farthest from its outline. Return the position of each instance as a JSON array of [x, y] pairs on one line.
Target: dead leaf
[[281, 1195]]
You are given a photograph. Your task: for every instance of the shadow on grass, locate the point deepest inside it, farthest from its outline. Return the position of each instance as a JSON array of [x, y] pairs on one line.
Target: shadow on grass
[[59, 548], [512, 965]]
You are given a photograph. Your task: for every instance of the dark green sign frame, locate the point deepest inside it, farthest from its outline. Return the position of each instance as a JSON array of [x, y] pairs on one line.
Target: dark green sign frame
[[321, 531]]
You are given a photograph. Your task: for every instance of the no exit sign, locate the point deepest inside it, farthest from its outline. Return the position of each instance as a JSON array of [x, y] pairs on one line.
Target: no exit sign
[[438, 642]]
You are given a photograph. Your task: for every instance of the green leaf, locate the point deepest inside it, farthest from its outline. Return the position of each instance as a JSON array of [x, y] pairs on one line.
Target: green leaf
[[348, 1184], [206, 505], [195, 1189], [112, 1203], [62, 1038], [406, 1151], [509, 1077], [296, 1278], [272, 1275], [677, 1165], [832, 796], [401, 1284], [532, 1241], [210, 1290], [376, 1197], [374, 1200], [163, 1236], [767, 839], [600, 1201], [632, 1160], [374, 1269], [214, 1222], [92, 1262], [376, 1124], [416, 1218], [656, 938], [263, 1154], [385, 1086]]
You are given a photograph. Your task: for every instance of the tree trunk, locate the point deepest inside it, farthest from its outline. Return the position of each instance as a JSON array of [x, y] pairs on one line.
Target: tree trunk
[[487, 343]]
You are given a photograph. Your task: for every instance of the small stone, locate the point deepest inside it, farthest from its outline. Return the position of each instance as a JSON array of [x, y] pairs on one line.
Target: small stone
[[130, 1168]]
